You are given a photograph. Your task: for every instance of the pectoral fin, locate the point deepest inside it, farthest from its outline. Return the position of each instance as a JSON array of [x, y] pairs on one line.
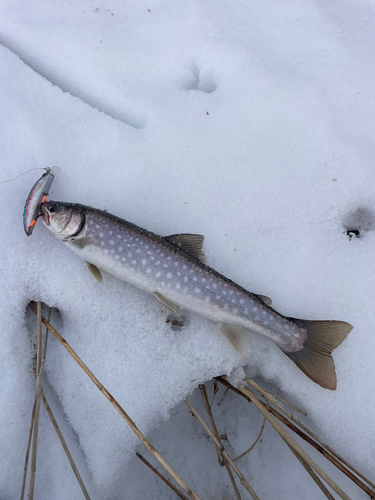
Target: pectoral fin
[[95, 272], [190, 243], [235, 335], [81, 242], [168, 303]]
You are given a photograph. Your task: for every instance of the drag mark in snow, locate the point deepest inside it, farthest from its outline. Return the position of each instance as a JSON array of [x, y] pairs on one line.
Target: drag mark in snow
[[138, 122]]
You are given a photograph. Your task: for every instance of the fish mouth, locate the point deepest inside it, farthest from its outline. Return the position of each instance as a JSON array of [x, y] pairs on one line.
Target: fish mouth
[[45, 215]]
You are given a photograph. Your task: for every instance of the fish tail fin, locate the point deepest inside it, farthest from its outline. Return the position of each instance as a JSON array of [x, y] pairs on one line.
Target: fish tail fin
[[315, 359]]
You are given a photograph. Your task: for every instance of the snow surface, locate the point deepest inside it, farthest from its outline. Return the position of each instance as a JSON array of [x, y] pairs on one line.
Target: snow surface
[[248, 122]]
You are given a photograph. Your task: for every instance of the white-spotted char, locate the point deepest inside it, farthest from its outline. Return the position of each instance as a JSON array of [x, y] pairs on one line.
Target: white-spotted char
[[173, 269]]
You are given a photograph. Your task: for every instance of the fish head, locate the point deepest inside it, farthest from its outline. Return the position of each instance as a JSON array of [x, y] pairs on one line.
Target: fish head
[[64, 220]]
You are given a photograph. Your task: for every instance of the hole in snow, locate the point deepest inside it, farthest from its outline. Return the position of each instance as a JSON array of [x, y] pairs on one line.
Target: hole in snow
[[359, 221], [176, 322], [196, 81]]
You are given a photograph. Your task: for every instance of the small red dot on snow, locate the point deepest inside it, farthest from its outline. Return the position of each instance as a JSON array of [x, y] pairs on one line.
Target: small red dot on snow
[[207, 113], [149, 10], [334, 180]]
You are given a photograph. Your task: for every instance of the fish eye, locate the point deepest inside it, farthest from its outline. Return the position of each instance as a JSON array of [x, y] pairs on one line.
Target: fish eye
[[53, 208]]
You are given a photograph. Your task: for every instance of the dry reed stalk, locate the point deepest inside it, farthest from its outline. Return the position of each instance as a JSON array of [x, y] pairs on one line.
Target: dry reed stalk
[[161, 476], [33, 416], [222, 451], [37, 408], [312, 474], [64, 445], [297, 448], [286, 437], [222, 461], [118, 407], [28, 448], [306, 429], [62, 441], [255, 442], [281, 399], [308, 439]]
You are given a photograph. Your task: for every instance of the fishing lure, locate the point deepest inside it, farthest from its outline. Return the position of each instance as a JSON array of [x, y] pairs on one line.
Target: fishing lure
[[37, 196]]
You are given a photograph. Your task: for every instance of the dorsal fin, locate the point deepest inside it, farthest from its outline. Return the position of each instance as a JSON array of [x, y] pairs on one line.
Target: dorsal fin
[[190, 243]]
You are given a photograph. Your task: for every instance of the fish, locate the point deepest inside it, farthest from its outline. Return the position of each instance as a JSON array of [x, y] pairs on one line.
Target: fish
[[173, 269]]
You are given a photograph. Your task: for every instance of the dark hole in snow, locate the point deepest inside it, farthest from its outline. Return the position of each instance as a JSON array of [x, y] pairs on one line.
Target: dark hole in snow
[[357, 222], [176, 322]]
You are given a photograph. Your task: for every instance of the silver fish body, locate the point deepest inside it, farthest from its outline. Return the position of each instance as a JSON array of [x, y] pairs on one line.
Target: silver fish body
[[172, 269]]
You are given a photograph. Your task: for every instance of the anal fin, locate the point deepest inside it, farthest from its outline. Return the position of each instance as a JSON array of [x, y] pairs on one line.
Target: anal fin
[[168, 303], [235, 335]]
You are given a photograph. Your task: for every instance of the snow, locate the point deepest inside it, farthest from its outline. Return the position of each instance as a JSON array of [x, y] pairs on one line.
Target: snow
[[250, 123]]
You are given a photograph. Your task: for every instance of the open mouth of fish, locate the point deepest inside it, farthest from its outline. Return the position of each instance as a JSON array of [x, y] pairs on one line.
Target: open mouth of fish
[[44, 215]]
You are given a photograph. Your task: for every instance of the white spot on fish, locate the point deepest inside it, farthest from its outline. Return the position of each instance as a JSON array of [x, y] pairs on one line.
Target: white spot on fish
[[112, 251], [178, 286], [197, 290], [184, 266], [203, 280], [134, 261], [242, 301], [165, 266], [123, 259], [117, 256], [130, 254], [149, 270], [169, 275], [178, 273], [102, 243], [207, 299], [225, 306], [186, 279], [101, 235], [144, 262], [106, 250], [255, 309], [195, 278], [176, 263], [157, 263], [120, 249], [231, 292], [158, 274], [111, 242], [235, 310]]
